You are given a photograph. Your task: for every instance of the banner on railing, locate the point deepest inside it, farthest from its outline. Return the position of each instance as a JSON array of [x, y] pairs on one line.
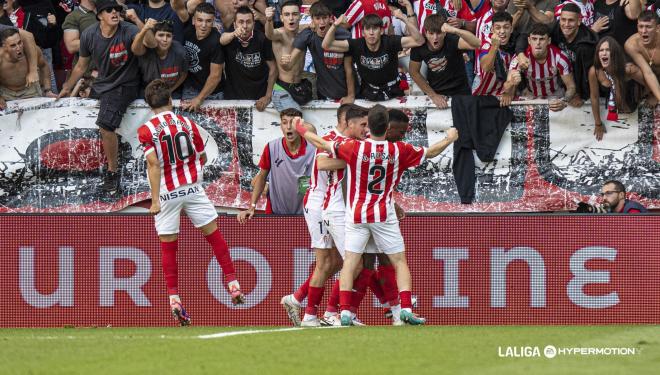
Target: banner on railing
[[105, 270], [51, 157]]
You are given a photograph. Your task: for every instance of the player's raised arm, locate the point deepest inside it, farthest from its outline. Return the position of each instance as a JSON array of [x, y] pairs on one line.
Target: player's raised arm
[[324, 163], [304, 128], [438, 147]]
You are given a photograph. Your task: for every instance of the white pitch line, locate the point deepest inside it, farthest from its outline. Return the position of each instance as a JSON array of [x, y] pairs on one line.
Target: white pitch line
[[250, 332]]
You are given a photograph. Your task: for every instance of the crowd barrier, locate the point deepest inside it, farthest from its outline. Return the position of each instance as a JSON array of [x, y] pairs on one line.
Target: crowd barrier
[[104, 270], [51, 158]]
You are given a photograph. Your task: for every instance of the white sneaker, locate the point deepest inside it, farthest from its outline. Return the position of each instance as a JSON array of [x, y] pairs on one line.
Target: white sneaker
[[292, 308], [313, 322], [357, 322], [331, 320]]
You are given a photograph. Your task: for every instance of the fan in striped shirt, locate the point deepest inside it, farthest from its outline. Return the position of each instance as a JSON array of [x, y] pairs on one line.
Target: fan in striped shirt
[[544, 66]]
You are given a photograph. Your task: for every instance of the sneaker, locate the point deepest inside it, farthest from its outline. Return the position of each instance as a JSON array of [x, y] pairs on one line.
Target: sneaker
[[387, 312], [412, 319], [314, 322], [237, 297], [357, 322], [179, 313], [292, 308], [332, 320], [346, 320], [111, 182]]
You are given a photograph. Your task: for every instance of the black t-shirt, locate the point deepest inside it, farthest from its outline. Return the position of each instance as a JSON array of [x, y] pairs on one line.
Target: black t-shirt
[[329, 66], [168, 69], [446, 74], [201, 53], [113, 57], [376, 68], [621, 27], [246, 70]]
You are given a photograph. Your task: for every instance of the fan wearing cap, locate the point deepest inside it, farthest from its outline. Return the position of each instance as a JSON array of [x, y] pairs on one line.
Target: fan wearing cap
[[108, 45]]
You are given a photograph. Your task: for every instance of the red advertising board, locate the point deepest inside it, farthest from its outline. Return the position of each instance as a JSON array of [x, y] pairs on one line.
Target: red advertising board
[[100, 270]]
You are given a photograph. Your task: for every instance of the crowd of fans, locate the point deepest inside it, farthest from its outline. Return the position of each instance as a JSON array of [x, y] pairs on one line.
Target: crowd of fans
[[289, 52]]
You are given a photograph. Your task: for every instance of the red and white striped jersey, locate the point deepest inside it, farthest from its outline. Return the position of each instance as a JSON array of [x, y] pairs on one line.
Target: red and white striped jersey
[[486, 83], [426, 8], [588, 14], [374, 170], [483, 32], [318, 182], [543, 79], [360, 8], [179, 146], [333, 200]]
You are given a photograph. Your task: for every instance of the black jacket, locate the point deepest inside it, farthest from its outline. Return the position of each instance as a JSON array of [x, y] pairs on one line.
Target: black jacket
[[44, 36], [580, 52]]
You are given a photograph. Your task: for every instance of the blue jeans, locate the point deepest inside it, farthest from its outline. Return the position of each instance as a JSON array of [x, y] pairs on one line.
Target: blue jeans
[[190, 92], [283, 100]]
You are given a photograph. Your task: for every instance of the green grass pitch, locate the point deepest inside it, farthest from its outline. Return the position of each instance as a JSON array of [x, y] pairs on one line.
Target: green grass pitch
[[343, 351]]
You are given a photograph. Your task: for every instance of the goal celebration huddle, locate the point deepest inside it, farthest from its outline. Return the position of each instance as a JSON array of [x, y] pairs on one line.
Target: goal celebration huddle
[[348, 207]]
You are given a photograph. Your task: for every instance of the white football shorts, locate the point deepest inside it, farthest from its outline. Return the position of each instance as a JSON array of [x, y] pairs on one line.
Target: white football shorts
[[190, 198]]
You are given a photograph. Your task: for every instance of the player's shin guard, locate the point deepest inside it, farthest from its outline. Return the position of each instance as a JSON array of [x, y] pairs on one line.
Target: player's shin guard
[[313, 300], [222, 255], [388, 276], [170, 270], [406, 299], [301, 293], [345, 298], [360, 288]]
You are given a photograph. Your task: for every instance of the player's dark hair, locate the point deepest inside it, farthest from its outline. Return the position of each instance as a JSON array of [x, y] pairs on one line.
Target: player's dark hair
[[502, 17], [157, 94], [356, 112], [371, 20], [164, 27], [570, 7], [342, 108], [617, 185], [378, 120], [648, 16], [205, 8], [244, 10], [434, 22], [292, 3], [616, 68], [318, 9], [6, 34], [291, 112], [397, 115], [540, 29]]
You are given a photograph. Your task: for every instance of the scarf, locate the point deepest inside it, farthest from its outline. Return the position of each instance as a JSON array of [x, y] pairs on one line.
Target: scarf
[[612, 114]]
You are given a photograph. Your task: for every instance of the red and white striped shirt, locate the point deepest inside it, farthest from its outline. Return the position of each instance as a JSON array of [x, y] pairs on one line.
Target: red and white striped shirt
[[483, 32], [427, 7], [360, 8], [543, 79], [318, 182], [179, 146], [333, 200], [486, 83], [374, 170], [587, 11]]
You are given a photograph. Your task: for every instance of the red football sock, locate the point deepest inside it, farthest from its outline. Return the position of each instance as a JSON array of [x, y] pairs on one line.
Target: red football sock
[[333, 299], [301, 293], [170, 270], [222, 255], [388, 275], [313, 300], [345, 297], [360, 288], [377, 288], [406, 299]]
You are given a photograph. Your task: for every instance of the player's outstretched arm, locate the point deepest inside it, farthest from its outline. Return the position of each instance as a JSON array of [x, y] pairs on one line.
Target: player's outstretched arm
[[438, 147], [304, 128], [153, 171], [325, 163]]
